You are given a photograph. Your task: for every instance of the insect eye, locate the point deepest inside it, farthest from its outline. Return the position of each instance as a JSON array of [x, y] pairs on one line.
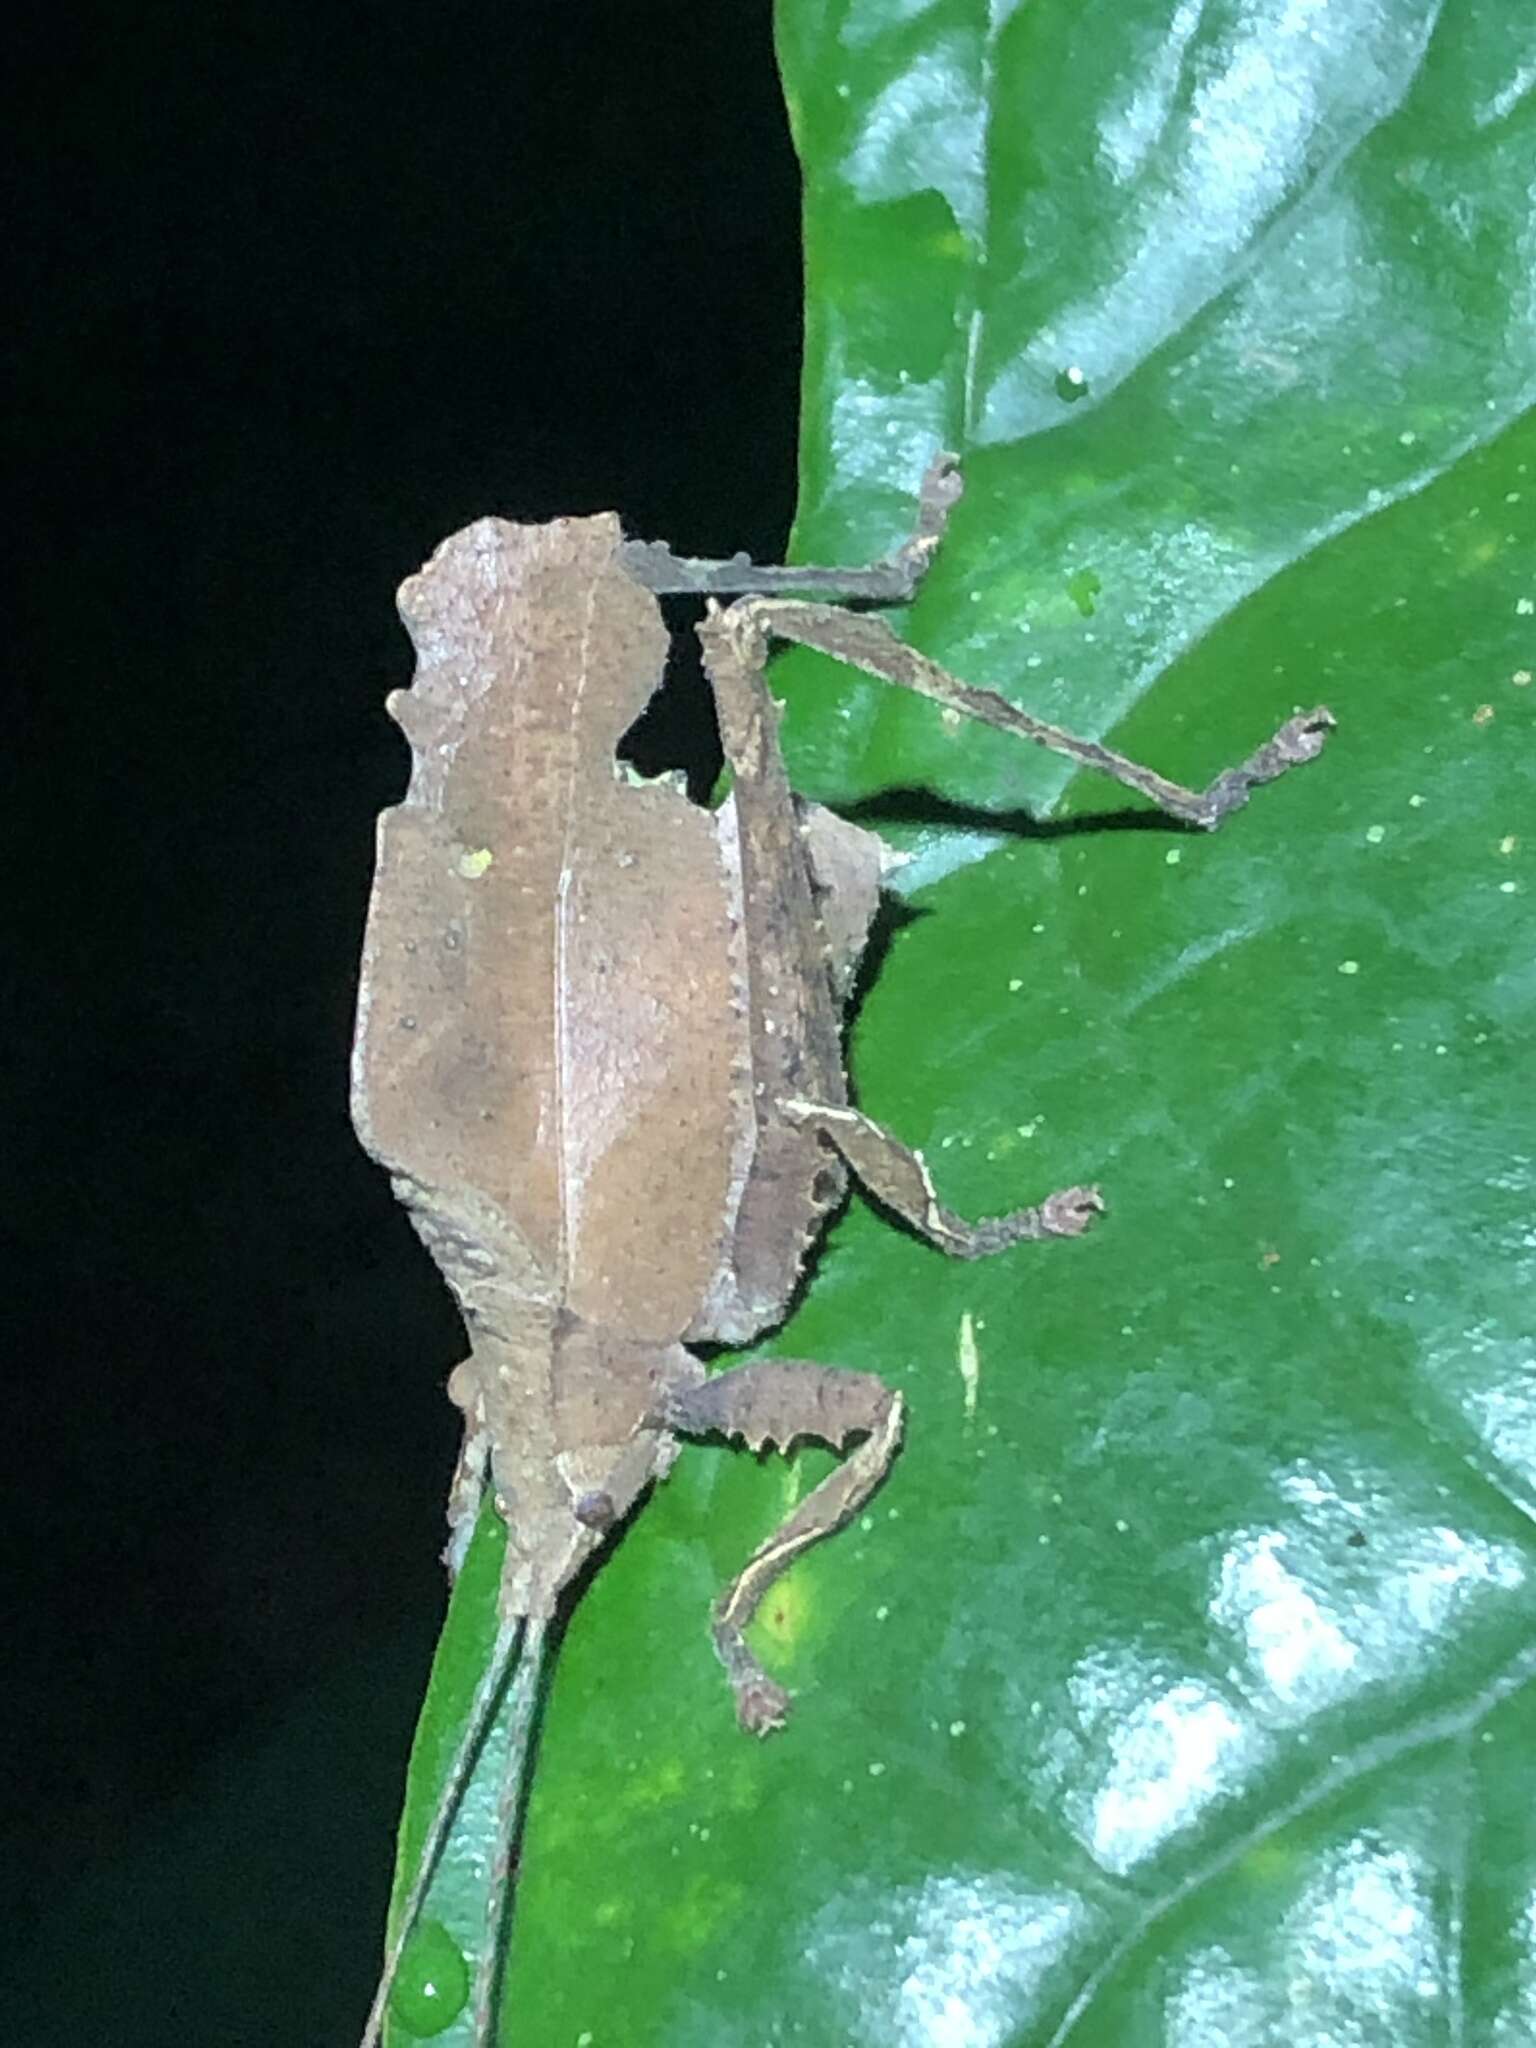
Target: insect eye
[[596, 1511]]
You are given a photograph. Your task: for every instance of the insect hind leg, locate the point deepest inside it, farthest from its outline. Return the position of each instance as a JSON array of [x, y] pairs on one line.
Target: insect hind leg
[[777, 1401]]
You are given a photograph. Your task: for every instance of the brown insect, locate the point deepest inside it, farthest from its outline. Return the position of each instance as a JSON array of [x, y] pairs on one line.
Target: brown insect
[[599, 1051]]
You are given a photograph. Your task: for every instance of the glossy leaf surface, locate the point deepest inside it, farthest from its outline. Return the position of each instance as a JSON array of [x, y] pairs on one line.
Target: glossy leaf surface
[[1177, 1688]]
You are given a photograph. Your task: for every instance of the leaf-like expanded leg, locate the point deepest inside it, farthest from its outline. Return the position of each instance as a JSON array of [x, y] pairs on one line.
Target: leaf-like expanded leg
[[866, 642], [898, 1176], [777, 1401]]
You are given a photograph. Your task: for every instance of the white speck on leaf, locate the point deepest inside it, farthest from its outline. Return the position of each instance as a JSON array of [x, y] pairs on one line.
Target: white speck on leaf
[[968, 1358]]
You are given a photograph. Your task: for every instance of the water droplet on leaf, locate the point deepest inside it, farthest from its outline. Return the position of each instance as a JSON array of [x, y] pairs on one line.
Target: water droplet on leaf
[[432, 1988]]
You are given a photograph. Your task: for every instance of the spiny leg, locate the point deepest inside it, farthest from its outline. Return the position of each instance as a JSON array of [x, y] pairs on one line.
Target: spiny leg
[[891, 581], [898, 1176], [866, 642], [776, 1401]]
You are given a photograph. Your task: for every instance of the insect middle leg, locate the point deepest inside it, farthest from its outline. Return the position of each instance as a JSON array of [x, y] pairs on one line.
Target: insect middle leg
[[777, 1401], [898, 1176]]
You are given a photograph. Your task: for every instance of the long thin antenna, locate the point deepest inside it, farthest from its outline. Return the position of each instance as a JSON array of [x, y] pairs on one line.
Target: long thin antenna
[[509, 1810], [482, 1709]]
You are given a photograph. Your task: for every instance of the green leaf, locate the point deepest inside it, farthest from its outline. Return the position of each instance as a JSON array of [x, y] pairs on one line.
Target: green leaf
[[1176, 1688]]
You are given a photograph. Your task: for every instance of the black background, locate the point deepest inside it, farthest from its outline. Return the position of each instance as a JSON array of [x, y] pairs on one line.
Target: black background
[[301, 291]]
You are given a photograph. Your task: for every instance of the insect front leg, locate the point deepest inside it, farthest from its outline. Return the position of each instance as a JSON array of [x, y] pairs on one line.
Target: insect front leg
[[892, 580], [898, 1176], [777, 1401]]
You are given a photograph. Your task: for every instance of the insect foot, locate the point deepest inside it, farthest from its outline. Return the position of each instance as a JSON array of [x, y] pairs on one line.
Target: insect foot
[[1071, 1211], [762, 1705], [1299, 739]]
